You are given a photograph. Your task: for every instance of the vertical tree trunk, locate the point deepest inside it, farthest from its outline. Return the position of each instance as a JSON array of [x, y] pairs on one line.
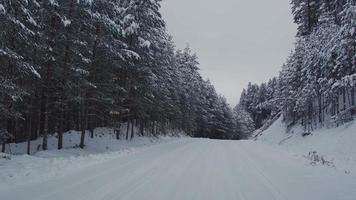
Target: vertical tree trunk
[[141, 128], [127, 129], [153, 128], [33, 128], [353, 97], [34, 124], [147, 126], [91, 130], [344, 98], [29, 131], [65, 63], [3, 147], [61, 130], [44, 96], [43, 123], [15, 131], [353, 110], [82, 138], [156, 130], [132, 129], [337, 107], [9, 126], [338, 103], [93, 79], [60, 138], [117, 132], [83, 123], [320, 109], [324, 108]]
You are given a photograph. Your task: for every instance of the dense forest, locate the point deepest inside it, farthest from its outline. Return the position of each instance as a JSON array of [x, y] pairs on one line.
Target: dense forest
[[317, 84], [81, 64]]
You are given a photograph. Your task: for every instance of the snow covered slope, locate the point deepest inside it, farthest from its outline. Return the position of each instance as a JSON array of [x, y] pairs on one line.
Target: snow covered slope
[[335, 147], [43, 165], [104, 140]]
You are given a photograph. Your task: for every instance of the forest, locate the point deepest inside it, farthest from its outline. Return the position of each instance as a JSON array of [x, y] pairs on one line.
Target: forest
[[82, 64], [98, 100], [317, 84]]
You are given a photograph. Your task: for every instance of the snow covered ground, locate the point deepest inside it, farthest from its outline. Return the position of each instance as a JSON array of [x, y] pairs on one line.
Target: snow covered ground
[[21, 169], [275, 167], [188, 168], [334, 147]]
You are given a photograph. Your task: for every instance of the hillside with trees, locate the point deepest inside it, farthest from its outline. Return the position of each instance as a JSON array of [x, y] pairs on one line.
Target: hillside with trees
[[317, 84], [82, 64]]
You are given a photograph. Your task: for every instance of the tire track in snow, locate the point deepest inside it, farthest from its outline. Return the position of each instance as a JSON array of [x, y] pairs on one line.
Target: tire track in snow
[[267, 181], [177, 163]]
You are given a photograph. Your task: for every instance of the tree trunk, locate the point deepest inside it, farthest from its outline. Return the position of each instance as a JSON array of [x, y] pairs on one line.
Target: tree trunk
[[132, 129], [320, 109], [60, 139], [142, 128], [29, 131], [45, 85], [83, 123], [82, 138], [353, 97], [344, 98], [338, 104], [60, 131], [117, 132], [9, 126], [127, 129], [93, 79], [153, 128], [156, 130], [91, 130], [61, 124], [3, 147], [43, 125], [15, 131]]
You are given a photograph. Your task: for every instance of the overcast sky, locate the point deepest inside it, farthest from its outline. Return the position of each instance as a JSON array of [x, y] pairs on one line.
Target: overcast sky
[[237, 41]]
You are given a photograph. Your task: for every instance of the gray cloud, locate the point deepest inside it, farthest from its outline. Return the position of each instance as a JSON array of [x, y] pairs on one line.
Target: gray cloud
[[237, 41]]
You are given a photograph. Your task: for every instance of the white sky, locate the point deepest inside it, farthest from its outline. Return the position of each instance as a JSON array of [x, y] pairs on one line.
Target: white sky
[[237, 41]]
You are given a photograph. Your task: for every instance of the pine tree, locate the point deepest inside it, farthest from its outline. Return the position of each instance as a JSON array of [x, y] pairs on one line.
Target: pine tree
[[306, 15], [17, 39]]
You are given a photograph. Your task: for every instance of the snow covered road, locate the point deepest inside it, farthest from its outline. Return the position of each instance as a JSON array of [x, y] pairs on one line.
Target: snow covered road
[[196, 169]]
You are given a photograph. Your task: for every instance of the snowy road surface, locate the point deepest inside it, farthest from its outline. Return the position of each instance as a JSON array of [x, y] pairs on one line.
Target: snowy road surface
[[196, 169]]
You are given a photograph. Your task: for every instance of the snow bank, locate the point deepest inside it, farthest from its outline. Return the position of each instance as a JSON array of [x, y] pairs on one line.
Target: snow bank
[[21, 169], [330, 146]]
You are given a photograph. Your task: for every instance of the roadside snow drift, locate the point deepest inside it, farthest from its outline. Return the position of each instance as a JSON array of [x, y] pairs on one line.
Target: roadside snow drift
[[334, 147], [20, 169]]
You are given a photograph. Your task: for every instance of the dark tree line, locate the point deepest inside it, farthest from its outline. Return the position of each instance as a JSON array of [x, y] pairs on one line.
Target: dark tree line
[[81, 64], [316, 86]]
